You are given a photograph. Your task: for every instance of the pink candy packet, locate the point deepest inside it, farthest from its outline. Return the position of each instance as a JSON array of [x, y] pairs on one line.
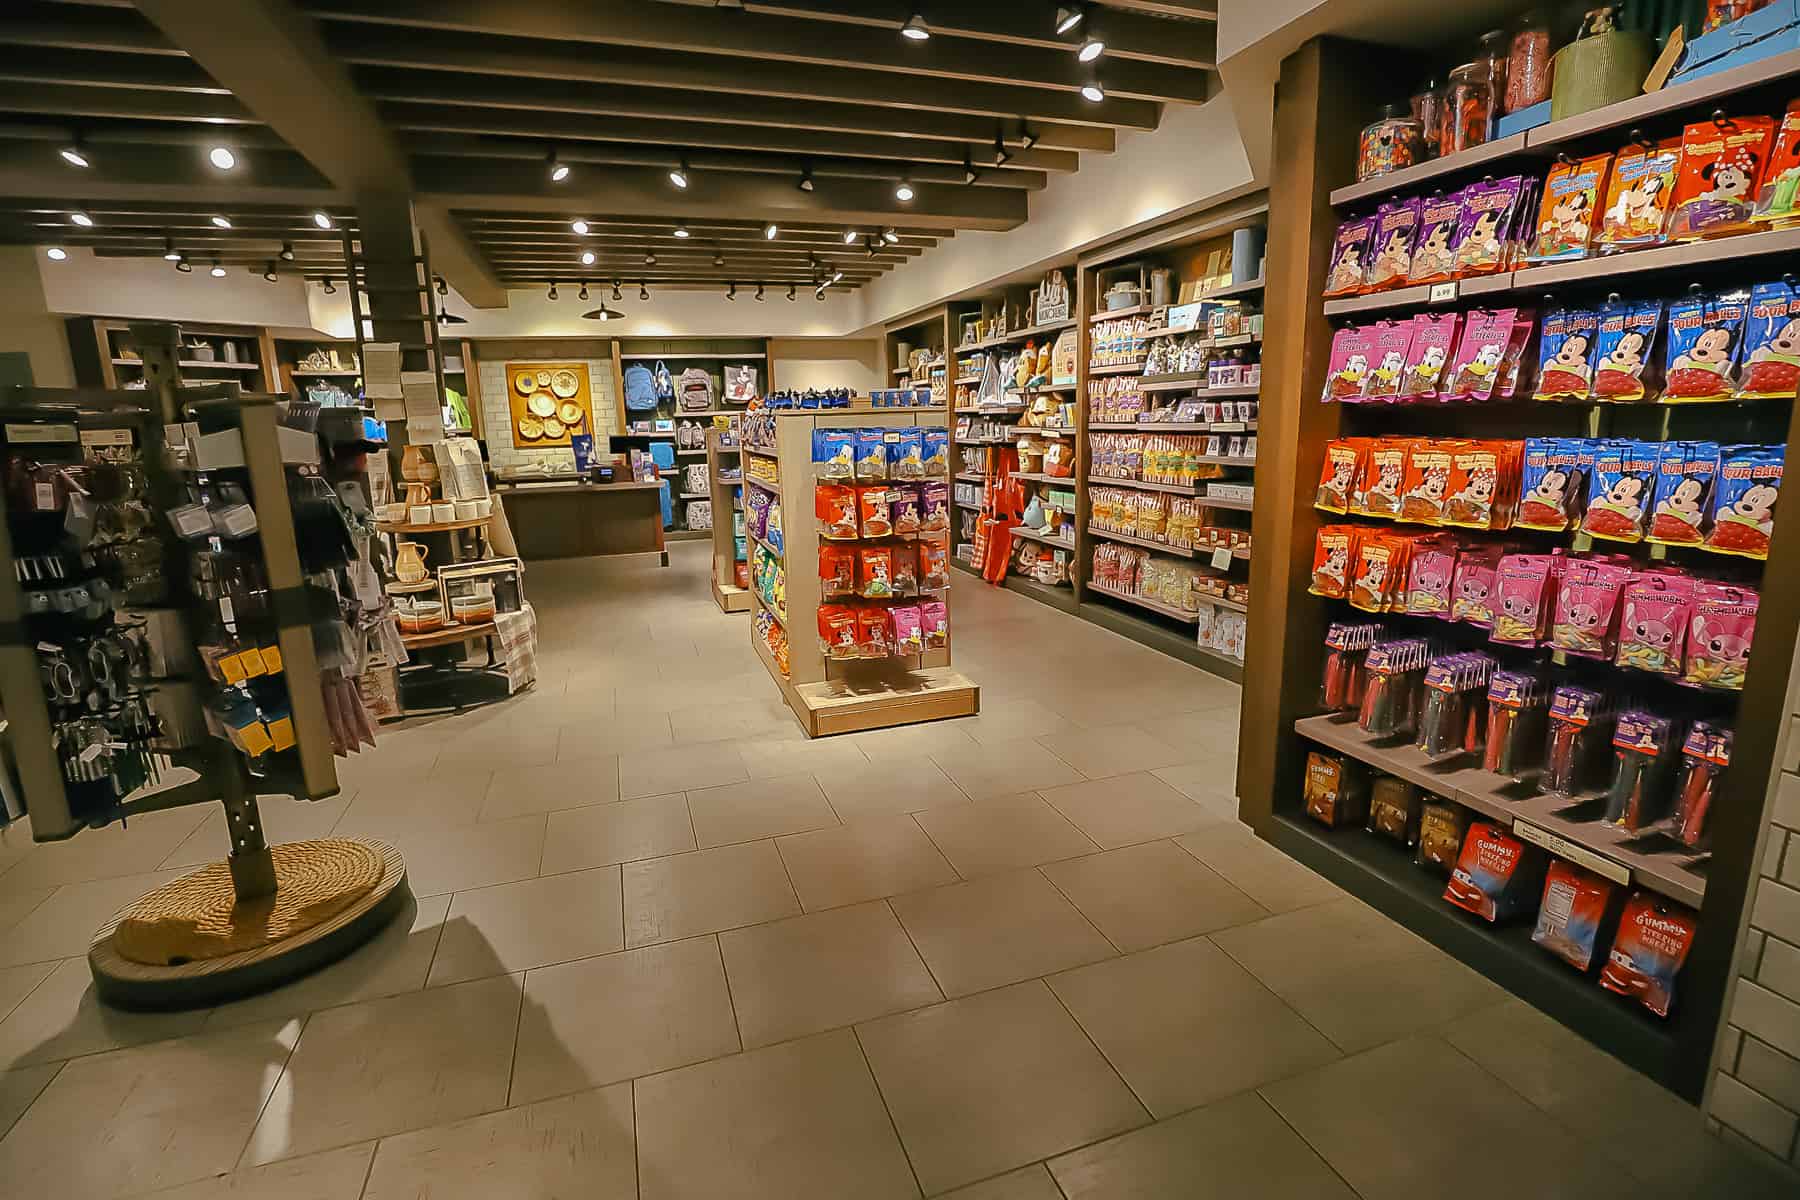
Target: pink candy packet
[[1524, 597], [909, 634], [1429, 579], [1477, 579], [934, 622], [1385, 344], [1428, 353], [1724, 624], [1349, 365], [1478, 368], [1587, 608], [1653, 626]]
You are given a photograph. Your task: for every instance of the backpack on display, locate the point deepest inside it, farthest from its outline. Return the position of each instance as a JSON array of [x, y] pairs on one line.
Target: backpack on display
[[699, 514], [665, 386], [696, 478], [640, 389], [696, 393], [740, 384]]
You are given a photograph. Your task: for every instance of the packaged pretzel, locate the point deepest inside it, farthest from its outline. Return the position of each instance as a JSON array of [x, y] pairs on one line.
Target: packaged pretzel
[[1638, 196], [1721, 162], [1570, 210]]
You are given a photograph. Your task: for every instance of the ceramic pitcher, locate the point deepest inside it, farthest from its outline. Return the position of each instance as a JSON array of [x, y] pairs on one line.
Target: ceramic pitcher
[[409, 565]]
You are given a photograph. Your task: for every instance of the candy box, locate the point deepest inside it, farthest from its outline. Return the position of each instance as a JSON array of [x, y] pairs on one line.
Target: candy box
[[1334, 549], [1587, 607], [1475, 371], [1638, 195], [1384, 479], [1684, 483], [1566, 354], [1705, 335], [1434, 255], [871, 455], [1721, 163], [1724, 625], [1571, 913], [1349, 364], [1649, 950], [1488, 213], [1349, 257], [1778, 197], [1396, 229], [1552, 483], [1477, 578], [1570, 210], [1385, 344], [1336, 789], [1524, 598], [1772, 341], [1623, 346], [1429, 577], [1653, 626], [834, 505], [1345, 459], [834, 453], [1619, 490], [1748, 485], [1427, 482], [1496, 875], [1428, 353]]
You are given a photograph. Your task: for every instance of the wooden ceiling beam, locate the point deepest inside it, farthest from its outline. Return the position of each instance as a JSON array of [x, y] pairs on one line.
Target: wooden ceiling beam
[[767, 39], [68, 100], [120, 29], [105, 69], [499, 243], [1187, 10], [166, 175], [628, 224], [104, 132], [503, 156]]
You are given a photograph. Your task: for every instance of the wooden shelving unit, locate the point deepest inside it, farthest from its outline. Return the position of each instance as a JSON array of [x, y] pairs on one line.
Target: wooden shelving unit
[[105, 355], [727, 515]]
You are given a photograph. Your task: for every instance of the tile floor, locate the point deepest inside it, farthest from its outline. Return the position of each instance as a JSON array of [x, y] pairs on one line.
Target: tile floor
[[664, 947]]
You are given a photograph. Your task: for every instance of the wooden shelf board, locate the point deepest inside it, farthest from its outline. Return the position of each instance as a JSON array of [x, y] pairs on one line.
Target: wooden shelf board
[[1151, 632], [195, 363], [1130, 368], [1234, 289], [1033, 535], [1147, 543], [1173, 427], [1410, 178], [1155, 606], [446, 636], [877, 696], [1039, 477], [1136, 310], [1179, 489], [434, 527], [970, 477], [690, 357]]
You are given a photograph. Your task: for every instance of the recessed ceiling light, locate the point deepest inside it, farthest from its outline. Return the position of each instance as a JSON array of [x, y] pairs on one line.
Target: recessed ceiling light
[[1090, 50], [221, 222], [218, 271], [82, 219], [649, 258], [75, 154], [770, 230], [580, 227], [679, 176], [559, 171], [849, 236], [915, 29], [56, 254], [718, 260], [222, 157], [322, 220], [587, 258], [1068, 16], [287, 252], [681, 231], [891, 236], [170, 253], [1093, 91], [904, 192]]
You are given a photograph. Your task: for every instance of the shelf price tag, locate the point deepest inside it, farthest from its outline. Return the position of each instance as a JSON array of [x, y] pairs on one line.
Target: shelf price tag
[[1442, 293], [1581, 856], [1221, 558]]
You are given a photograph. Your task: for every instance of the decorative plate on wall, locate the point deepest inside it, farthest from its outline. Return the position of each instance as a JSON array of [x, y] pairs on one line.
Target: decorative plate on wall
[[540, 412], [524, 383]]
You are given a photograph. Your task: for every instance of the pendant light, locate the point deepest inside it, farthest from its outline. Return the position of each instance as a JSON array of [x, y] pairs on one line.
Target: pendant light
[[643, 290], [718, 259], [183, 265], [449, 318], [287, 252], [891, 236], [1068, 16], [443, 289], [81, 219], [603, 313], [731, 291], [75, 153], [269, 273], [679, 176], [649, 258], [1002, 156], [970, 174], [322, 220], [915, 29], [1027, 138], [218, 270], [582, 295]]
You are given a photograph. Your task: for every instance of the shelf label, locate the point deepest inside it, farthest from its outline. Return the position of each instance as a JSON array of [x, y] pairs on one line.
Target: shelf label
[[1581, 856], [1442, 293], [1221, 558], [20, 434], [1184, 317], [105, 437]]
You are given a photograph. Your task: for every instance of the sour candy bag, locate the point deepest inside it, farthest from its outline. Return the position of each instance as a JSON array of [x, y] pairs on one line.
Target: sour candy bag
[[1430, 575], [1744, 496], [1566, 354], [1623, 349], [1684, 484], [1553, 483], [1705, 334], [1772, 343], [1525, 597], [1620, 489]]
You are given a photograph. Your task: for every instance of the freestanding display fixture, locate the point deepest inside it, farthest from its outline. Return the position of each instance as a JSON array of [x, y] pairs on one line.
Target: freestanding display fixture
[[724, 476]]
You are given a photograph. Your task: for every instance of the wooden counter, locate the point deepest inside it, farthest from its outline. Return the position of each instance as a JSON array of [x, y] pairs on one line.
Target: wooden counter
[[571, 519]]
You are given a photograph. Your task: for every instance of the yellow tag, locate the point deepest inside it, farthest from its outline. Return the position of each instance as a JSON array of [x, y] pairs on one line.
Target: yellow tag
[[271, 656], [253, 663], [281, 733], [231, 667], [252, 739]]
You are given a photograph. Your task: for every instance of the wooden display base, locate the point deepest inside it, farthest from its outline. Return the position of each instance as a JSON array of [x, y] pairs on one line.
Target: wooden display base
[[307, 924], [880, 698], [731, 598]]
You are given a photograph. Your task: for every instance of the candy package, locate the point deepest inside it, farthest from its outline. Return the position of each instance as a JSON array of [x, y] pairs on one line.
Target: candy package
[[1378, 578], [837, 571], [871, 455], [1394, 810], [1350, 257], [834, 505], [909, 635], [1334, 549], [1496, 875], [1772, 340], [1744, 496], [1385, 479], [1427, 482], [934, 507], [1391, 700], [1580, 730], [1349, 365], [906, 571], [1336, 789], [1345, 459], [1619, 490], [1385, 344], [1518, 364], [1704, 756], [1475, 371], [1430, 575], [1570, 209], [935, 618], [1489, 211], [1452, 718], [875, 571], [1566, 354], [1346, 647], [1778, 196], [1553, 482], [1525, 598], [937, 451], [1477, 576], [905, 453], [934, 564], [1684, 483], [1484, 485], [1643, 760], [874, 632], [1434, 254], [1721, 162], [837, 631], [874, 513], [1518, 707], [1653, 625], [1441, 826], [1724, 625], [1637, 197], [904, 510], [1588, 603], [1396, 229], [834, 453], [1573, 909], [1428, 354], [1623, 346], [1649, 951], [1705, 335]]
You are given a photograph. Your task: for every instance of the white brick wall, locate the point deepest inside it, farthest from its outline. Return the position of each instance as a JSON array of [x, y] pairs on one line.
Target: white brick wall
[[496, 412]]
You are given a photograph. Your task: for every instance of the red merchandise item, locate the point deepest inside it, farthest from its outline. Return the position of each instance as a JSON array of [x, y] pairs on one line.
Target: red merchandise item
[[1649, 951], [834, 505], [1721, 165], [837, 571]]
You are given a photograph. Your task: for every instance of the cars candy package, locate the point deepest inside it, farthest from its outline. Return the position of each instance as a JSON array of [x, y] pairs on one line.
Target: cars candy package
[[1566, 354], [1587, 608], [1396, 229], [1649, 950], [1570, 210], [1349, 364], [1571, 913], [1553, 483], [1745, 492], [1724, 625], [1653, 626], [1380, 487], [1345, 460], [1385, 344], [1350, 257], [1771, 368], [1428, 353], [1475, 372], [1434, 255], [1619, 490], [1336, 789], [1705, 334], [1441, 826], [1721, 162], [1494, 877], [1684, 484], [1778, 197], [1623, 345], [1489, 211], [1638, 196], [1427, 481]]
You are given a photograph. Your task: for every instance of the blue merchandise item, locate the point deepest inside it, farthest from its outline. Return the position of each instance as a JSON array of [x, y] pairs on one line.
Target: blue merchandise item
[[640, 389], [663, 455], [665, 384], [668, 508]]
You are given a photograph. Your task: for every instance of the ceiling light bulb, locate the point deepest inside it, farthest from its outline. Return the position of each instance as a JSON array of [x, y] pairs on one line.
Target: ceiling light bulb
[[559, 171], [891, 236], [1068, 16], [770, 230], [1090, 50], [82, 219], [643, 290], [1092, 91], [582, 295], [221, 223], [56, 254], [679, 176], [443, 289], [75, 154], [915, 29], [904, 192], [322, 220], [170, 253], [616, 295], [849, 237], [580, 227], [330, 290], [837, 276], [222, 157], [184, 266], [269, 273], [218, 272], [587, 258], [806, 180], [551, 294], [287, 252], [649, 259], [718, 260], [1027, 138], [681, 232]]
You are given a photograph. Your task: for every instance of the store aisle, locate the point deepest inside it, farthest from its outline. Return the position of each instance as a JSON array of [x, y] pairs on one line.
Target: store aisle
[[665, 947]]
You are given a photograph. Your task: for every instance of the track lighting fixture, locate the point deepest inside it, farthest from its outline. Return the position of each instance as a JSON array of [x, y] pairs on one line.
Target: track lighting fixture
[[616, 295], [1068, 16], [731, 291], [770, 231], [849, 237], [1090, 50], [559, 171], [679, 176], [891, 236], [56, 254], [872, 245], [587, 258], [184, 266], [970, 174], [551, 294], [75, 153], [287, 252], [322, 220], [681, 232], [915, 29], [1002, 155], [643, 290], [1027, 138], [222, 157], [837, 276], [582, 294], [450, 318], [718, 259], [330, 288], [170, 253], [759, 291], [790, 293], [443, 289], [1092, 91], [579, 226], [218, 271], [649, 258], [221, 223], [903, 191], [269, 273], [81, 219], [806, 179]]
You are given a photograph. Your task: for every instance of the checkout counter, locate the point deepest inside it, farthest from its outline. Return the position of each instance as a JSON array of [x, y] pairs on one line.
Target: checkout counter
[[575, 518]]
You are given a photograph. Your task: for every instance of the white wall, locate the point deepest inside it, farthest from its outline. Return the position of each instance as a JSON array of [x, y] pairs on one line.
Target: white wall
[[151, 288], [797, 364], [26, 321]]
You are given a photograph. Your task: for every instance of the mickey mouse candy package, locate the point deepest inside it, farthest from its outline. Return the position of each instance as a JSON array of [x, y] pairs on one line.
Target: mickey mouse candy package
[[1721, 163], [1684, 484], [1705, 335], [1772, 343], [1619, 490], [1624, 342], [1553, 483], [1566, 354], [1749, 483]]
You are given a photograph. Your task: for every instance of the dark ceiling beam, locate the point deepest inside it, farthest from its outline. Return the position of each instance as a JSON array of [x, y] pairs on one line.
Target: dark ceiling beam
[[165, 175], [780, 112], [1189, 10], [455, 257], [195, 226], [748, 239], [68, 100], [118, 29], [462, 55], [1127, 35], [537, 277], [141, 133], [84, 68], [546, 128], [499, 243], [766, 39], [629, 223], [635, 262]]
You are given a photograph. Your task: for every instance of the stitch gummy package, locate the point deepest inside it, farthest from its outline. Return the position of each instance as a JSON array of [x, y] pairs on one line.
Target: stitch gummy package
[[1587, 608], [1705, 334], [1724, 625], [1653, 626], [1684, 484], [1772, 343], [1494, 876], [1566, 354], [1623, 347], [1648, 952], [1572, 910], [1748, 485]]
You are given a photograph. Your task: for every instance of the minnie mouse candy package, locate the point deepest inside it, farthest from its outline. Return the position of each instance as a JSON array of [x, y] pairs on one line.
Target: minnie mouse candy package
[[1637, 198], [1748, 485], [1427, 481], [1624, 341], [1772, 343], [1344, 463], [1484, 243], [1570, 210], [1566, 354], [1721, 163], [1334, 549], [1440, 224], [1379, 487], [1350, 257], [1684, 483], [1391, 244], [1705, 335]]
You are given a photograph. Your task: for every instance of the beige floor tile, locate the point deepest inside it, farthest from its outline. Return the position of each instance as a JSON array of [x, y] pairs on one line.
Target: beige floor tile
[[1125, 809], [1113, 750], [332, 1175], [1211, 785], [380, 1067], [911, 742], [602, 1020], [145, 1118], [1027, 1183], [997, 930], [648, 827], [705, 891], [806, 974], [985, 1084], [105, 853], [284, 819], [63, 1018], [551, 787], [16, 906], [679, 769], [761, 808], [1364, 1116], [395, 960], [580, 1145], [18, 1089], [823, 758], [804, 1118], [1005, 719], [591, 735], [889, 789], [413, 802], [1002, 768], [1205, 734], [1002, 834], [730, 720], [515, 926], [500, 749], [1142, 896], [16, 983], [863, 860], [1187, 1026], [1254, 867], [472, 856], [1237, 1147]]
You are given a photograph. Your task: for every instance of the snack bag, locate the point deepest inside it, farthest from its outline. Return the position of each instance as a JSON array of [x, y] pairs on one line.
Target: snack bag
[[935, 618], [1350, 257], [835, 507], [1623, 347], [1427, 481], [934, 564], [1653, 626], [1724, 625], [1772, 343], [1571, 209], [875, 515], [1637, 198], [837, 571], [1516, 377], [906, 570], [871, 455], [875, 572], [874, 632], [1649, 950], [1429, 578], [1349, 365], [1748, 485], [905, 453], [1524, 598], [1380, 573], [909, 635], [1336, 790], [1721, 162], [1587, 608], [1552, 484], [834, 453], [1495, 875], [1477, 579], [934, 501], [905, 510], [1569, 918], [1394, 809], [837, 631], [1566, 354], [1396, 229], [1484, 243], [1705, 334], [1482, 489], [1684, 484], [1384, 480], [1434, 255], [1619, 490], [1476, 372], [1345, 459], [1334, 549], [1778, 198], [1428, 353], [1441, 825], [1385, 345], [937, 452]]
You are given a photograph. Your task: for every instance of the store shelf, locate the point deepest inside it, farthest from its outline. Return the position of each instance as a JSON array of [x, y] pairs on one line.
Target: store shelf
[[779, 557], [966, 381], [970, 507], [434, 527], [1224, 460], [689, 357], [1114, 314], [1222, 602], [329, 374], [756, 598], [1041, 430], [1409, 297], [1177, 379], [1017, 335], [1179, 489], [1409, 180], [447, 636], [668, 434], [1130, 368], [693, 453], [1151, 632], [1060, 596], [1038, 477], [397, 588], [1173, 426], [1147, 543], [1228, 502], [693, 495], [196, 363], [1042, 388], [971, 477], [1155, 606], [1033, 535], [1234, 289]]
